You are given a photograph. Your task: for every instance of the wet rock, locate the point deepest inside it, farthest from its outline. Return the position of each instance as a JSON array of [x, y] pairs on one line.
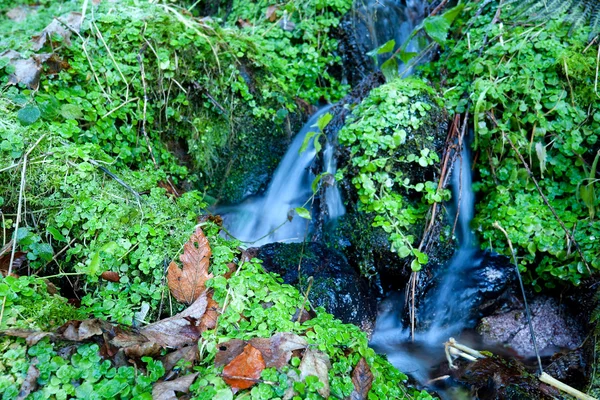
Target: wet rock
[[498, 378], [553, 324], [473, 285], [336, 285]]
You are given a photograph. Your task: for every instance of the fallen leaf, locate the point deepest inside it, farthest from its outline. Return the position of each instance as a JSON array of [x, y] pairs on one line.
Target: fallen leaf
[[315, 363], [30, 383], [277, 350], [287, 25], [166, 390], [31, 337], [73, 20], [78, 331], [180, 329], [244, 23], [135, 345], [209, 320], [187, 353], [25, 71], [188, 283], [110, 276], [227, 351], [19, 14], [362, 377], [272, 13], [18, 261], [244, 370]]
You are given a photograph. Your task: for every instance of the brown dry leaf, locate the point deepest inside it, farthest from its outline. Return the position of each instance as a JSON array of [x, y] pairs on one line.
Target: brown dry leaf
[[187, 353], [110, 276], [26, 71], [362, 377], [244, 370], [272, 13], [19, 14], [30, 383], [5, 254], [31, 337], [209, 320], [78, 331], [228, 351], [180, 329], [316, 363], [166, 390], [73, 20], [244, 23], [277, 350], [188, 283], [135, 345]]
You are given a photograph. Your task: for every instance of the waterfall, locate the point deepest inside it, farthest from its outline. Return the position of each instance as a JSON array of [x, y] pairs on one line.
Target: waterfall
[[270, 217]]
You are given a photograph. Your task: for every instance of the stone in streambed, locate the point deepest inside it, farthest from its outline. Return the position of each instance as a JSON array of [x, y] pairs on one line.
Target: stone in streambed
[[554, 327], [336, 285]]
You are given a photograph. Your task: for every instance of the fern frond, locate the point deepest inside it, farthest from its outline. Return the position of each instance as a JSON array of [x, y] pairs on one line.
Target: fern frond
[[574, 12]]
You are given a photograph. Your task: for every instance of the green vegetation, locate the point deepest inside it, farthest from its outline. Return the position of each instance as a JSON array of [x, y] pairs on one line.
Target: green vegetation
[[534, 87], [394, 138], [256, 304], [145, 98]]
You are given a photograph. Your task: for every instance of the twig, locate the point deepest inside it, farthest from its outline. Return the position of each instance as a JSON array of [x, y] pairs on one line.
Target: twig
[[18, 218], [116, 178], [145, 106], [531, 331], [546, 202], [544, 377], [301, 310], [118, 107]]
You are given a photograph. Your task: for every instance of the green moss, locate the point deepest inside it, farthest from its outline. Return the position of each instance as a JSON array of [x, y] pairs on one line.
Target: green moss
[[395, 138]]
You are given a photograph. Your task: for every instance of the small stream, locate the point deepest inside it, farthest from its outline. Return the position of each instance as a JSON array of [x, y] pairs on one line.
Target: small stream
[[270, 217]]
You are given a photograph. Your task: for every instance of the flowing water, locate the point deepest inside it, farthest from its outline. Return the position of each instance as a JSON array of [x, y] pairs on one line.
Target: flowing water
[[270, 217], [448, 308]]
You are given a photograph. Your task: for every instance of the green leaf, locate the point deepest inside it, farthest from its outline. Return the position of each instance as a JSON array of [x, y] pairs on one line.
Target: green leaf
[[303, 212], [71, 111], [56, 234], [309, 135], [94, 266], [323, 121], [317, 143], [315, 183], [415, 266], [28, 114], [406, 56], [390, 69], [437, 28], [384, 48], [540, 150], [452, 13]]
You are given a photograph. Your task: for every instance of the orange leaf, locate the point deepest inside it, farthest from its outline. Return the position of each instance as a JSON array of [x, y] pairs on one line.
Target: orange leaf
[[111, 276], [244, 370], [188, 284], [209, 319]]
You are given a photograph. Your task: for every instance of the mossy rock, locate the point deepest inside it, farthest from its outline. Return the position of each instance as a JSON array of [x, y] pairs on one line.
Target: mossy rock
[[331, 282], [389, 152]]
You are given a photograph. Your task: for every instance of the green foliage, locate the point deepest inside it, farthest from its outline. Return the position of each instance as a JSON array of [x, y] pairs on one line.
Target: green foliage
[[256, 304], [100, 225], [534, 85], [29, 305], [392, 140], [575, 12], [81, 375]]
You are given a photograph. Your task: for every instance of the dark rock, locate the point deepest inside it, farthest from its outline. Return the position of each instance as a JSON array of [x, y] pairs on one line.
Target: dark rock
[[473, 285], [553, 324], [336, 285], [498, 378]]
